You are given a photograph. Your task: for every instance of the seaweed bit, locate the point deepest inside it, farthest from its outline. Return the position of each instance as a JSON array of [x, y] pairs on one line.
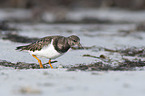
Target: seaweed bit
[[127, 65]]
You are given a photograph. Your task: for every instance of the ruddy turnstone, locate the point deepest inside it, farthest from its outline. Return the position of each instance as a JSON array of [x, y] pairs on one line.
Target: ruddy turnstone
[[51, 47]]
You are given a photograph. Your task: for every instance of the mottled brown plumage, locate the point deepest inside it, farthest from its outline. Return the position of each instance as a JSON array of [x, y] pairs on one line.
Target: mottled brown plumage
[[38, 45], [61, 43]]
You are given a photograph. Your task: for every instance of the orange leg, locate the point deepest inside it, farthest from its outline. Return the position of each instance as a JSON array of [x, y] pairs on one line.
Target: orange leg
[[50, 63], [39, 61]]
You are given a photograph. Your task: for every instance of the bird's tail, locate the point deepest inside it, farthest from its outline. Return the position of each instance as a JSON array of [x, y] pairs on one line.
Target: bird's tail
[[20, 48]]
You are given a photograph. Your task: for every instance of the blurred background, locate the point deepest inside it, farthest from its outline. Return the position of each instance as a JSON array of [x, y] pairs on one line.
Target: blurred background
[[70, 11], [71, 4]]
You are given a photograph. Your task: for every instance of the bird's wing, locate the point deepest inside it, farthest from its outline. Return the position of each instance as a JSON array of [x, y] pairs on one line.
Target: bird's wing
[[38, 45]]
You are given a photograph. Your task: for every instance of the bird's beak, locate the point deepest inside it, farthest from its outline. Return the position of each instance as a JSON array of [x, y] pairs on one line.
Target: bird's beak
[[80, 46], [77, 46]]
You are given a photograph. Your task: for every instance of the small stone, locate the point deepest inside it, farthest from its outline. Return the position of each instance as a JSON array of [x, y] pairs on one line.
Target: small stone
[[103, 56], [29, 90]]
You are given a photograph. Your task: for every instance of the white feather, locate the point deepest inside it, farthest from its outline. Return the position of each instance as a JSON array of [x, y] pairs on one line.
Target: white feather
[[47, 52]]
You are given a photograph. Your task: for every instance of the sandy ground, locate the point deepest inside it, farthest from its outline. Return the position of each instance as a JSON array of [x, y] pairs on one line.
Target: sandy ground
[[63, 83]]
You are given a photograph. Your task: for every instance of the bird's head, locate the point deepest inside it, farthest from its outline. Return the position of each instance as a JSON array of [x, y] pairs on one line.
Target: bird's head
[[74, 41]]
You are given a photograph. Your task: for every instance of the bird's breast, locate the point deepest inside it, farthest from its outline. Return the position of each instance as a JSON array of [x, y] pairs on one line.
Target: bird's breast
[[47, 52]]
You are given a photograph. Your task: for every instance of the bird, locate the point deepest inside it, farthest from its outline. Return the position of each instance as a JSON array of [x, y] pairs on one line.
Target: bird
[[50, 47]]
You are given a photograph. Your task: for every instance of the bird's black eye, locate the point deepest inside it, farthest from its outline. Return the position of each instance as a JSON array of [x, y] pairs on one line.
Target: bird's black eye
[[74, 40]]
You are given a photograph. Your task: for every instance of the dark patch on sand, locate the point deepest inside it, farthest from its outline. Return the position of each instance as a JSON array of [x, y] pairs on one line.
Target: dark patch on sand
[[140, 27], [85, 20], [5, 27], [23, 65], [132, 51], [19, 39], [127, 65]]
